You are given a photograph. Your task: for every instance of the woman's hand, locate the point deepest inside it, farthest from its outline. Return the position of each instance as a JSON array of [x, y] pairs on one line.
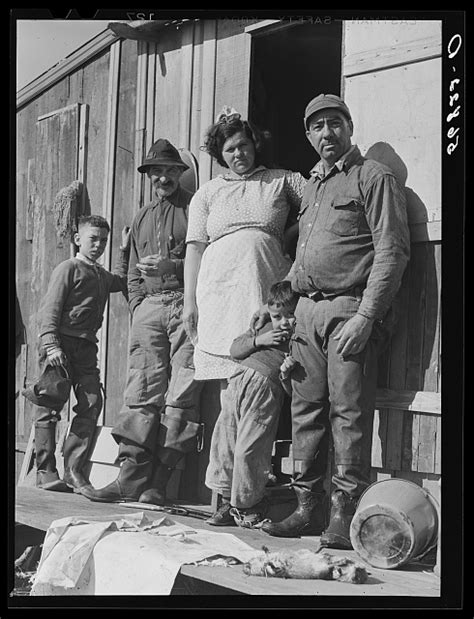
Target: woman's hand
[[190, 321], [125, 238], [260, 317]]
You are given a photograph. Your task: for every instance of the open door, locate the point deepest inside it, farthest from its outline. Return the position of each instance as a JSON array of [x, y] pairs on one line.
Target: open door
[[290, 66]]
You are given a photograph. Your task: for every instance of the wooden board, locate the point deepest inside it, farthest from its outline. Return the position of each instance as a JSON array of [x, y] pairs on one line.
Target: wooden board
[[38, 508], [122, 211]]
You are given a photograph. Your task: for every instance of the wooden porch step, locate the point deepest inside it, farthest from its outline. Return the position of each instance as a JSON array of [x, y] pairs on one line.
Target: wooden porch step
[[38, 508]]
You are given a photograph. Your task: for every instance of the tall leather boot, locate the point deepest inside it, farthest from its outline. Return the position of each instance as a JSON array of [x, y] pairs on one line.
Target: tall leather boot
[[156, 493], [76, 450], [308, 518], [135, 471], [343, 508], [165, 462], [47, 476]]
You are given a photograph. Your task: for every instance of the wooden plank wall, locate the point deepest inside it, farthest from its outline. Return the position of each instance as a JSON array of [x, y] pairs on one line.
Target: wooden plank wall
[[400, 127], [174, 88], [87, 85]]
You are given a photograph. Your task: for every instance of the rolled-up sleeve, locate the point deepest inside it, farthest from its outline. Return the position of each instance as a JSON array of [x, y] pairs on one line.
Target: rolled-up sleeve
[[386, 215]]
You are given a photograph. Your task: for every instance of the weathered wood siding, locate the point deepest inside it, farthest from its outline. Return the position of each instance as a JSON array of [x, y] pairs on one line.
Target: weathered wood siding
[[392, 82], [89, 85], [136, 92]]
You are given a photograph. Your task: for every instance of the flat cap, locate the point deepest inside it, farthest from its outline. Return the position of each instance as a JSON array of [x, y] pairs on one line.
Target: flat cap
[[322, 102]]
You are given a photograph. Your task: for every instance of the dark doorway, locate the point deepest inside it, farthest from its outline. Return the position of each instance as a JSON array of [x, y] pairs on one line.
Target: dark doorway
[[289, 67]]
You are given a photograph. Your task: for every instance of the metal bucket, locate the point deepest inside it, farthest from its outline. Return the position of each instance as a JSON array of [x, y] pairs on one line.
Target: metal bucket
[[396, 521]]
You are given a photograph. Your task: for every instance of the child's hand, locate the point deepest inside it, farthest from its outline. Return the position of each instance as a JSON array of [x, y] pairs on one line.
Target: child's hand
[[272, 338], [287, 365], [125, 237], [56, 356]]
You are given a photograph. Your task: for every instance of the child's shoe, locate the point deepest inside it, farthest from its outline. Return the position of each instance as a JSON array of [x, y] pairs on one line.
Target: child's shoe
[[250, 517], [222, 517]]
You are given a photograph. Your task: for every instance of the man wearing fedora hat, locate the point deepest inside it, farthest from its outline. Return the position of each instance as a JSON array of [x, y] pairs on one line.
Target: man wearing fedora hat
[[159, 421], [352, 250]]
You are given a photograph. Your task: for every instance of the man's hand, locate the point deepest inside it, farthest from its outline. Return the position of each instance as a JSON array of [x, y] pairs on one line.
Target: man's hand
[[354, 335], [155, 265], [260, 317], [288, 364], [272, 338]]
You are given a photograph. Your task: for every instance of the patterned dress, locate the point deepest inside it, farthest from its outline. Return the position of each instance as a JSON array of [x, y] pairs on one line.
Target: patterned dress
[[242, 219]]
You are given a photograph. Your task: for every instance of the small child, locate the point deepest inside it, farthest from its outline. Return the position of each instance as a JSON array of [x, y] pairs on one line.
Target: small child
[[242, 441], [71, 313]]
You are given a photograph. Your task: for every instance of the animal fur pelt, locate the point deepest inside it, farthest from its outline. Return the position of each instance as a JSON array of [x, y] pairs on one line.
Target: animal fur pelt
[[305, 564]]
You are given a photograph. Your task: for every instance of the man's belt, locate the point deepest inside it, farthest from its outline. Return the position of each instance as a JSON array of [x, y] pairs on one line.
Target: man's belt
[[319, 295]]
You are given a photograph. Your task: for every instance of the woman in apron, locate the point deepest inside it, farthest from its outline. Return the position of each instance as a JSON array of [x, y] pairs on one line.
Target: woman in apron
[[235, 242]]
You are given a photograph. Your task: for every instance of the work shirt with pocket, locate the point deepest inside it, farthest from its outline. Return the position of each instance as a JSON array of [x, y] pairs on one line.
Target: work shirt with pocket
[[158, 228], [353, 233]]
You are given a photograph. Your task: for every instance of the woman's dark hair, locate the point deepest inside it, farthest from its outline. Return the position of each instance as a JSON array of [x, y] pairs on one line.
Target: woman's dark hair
[[282, 295], [218, 133]]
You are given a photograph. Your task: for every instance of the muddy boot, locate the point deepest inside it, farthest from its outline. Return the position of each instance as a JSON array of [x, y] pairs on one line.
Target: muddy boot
[[76, 451], [156, 493], [343, 508], [222, 516], [47, 476], [135, 471], [308, 518]]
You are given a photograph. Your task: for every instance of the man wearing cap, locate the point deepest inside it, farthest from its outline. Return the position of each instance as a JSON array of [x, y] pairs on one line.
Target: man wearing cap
[[159, 420], [352, 250]]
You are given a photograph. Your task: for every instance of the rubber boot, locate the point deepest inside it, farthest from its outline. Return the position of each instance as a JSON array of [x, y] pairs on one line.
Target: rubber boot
[[135, 471], [76, 451], [47, 476], [343, 508], [308, 518], [156, 493]]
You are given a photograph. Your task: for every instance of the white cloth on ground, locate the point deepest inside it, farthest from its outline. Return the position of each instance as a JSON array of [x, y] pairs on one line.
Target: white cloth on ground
[[125, 556]]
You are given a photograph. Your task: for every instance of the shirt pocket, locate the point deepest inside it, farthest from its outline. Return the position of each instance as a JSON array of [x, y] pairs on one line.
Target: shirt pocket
[[143, 249], [345, 214]]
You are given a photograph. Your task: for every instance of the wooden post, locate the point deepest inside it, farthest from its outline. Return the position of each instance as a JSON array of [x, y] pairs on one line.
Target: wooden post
[[108, 195], [187, 61], [208, 90]]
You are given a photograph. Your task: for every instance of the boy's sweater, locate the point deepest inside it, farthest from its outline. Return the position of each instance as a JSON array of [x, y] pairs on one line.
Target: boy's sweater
[[75, 301], [265, 359]]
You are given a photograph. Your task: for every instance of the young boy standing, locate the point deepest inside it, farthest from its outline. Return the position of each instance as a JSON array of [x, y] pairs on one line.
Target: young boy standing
[[242, 441], [71, 313]]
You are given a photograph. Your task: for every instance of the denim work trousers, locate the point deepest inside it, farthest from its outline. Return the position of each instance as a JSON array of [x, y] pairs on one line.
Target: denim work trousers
[[332, 395], [84, 374], [161, 400], [242, 440]]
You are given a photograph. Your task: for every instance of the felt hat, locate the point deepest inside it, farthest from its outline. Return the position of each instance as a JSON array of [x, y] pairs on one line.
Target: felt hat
[[323, 102], [51, 389], [162, 152]]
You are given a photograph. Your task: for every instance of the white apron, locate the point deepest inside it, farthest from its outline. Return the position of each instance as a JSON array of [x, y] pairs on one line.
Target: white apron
[[236, 273]]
